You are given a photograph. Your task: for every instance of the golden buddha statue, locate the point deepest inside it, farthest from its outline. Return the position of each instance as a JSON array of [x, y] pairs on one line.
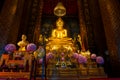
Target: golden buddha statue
[[22, 44], [59, 36], [80, 40], [59, 32]]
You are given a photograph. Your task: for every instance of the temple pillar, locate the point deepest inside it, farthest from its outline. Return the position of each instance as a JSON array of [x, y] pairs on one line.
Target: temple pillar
[[111, 21], [82, 25]]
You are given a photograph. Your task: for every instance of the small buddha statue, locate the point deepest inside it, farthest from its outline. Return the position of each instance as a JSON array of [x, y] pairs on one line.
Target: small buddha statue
[[40, 38], [59, 32], [23, 43], [80, 41]]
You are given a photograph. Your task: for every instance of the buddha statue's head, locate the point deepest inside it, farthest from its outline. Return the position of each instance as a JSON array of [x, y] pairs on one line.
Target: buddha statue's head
[[24, 37], [59, 24]]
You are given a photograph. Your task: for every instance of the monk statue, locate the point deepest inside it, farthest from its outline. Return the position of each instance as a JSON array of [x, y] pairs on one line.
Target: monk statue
[[59, 32], [23, 43]]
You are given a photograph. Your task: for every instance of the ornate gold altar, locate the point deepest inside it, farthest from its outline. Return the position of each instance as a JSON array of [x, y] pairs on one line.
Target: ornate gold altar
[[62, 65]]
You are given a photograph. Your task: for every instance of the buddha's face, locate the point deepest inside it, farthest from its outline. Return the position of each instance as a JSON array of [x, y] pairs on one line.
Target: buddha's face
[[59, 23], [24, 37]]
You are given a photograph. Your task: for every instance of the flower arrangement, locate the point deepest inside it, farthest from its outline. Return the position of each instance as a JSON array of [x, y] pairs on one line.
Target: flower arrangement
[[31, 47], [10, 48], [40, 61], [82, 59], [75, 55], [93, 56], [62, 54], [62, 58], [99, 60], [50, 55]]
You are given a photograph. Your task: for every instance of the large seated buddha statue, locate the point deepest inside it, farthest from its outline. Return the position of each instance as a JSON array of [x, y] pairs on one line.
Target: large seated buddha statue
[[59, 32], [59, 36]]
